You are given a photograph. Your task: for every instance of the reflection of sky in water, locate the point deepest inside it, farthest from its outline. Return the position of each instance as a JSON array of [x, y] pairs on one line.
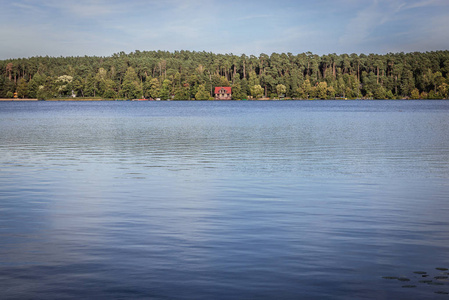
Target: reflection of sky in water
[[306, 143], [236, 198]]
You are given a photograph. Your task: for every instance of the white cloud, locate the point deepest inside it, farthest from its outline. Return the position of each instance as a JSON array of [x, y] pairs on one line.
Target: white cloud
[[252, 17], [425, 3], [390, 26], [358, 30]]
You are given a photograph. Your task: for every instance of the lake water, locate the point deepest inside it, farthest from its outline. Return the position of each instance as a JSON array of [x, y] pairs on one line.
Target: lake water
[[224, 200]]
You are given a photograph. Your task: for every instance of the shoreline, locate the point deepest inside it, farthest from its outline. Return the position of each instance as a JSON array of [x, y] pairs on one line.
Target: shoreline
[[60, 100], [18, 99], [140, 100]]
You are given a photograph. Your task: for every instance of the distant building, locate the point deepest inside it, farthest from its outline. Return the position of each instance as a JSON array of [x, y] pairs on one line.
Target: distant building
[[223, 93]]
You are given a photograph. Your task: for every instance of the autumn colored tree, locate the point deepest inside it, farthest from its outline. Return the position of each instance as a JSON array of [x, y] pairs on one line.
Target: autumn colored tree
[[414, 94]]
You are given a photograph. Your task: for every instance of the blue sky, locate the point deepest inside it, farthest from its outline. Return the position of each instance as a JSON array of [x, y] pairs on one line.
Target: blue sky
[[104, 27]]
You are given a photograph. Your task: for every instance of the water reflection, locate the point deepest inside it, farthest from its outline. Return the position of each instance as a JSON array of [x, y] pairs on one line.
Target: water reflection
[[221, 200], [306, 143]]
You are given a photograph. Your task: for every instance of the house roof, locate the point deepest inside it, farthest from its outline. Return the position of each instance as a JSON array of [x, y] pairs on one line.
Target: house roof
[[227, 89]]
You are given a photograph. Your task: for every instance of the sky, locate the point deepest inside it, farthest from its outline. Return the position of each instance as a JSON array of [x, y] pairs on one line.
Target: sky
[[104, 27]]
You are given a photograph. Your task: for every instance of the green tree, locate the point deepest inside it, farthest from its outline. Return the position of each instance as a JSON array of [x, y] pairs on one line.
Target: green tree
[[296, 79], [166, 89], [152, 88], [202, 94], [64, 85], [389, 95], [281, 90], [341, 87], [380, 92], [34, 84], [131, 85], [350, 76], [78, 85], [237, 92], [331, 92], [43, 92], [101, 79], [407, 82], [257, 91], [22, 88], [182, 92], [322, 90], [307, 88], [110, 94], [90, 86], [224, 81], [253, 79], [300, 93]]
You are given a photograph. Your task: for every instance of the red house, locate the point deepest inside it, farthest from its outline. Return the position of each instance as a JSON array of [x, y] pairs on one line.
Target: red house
[[223, 93]]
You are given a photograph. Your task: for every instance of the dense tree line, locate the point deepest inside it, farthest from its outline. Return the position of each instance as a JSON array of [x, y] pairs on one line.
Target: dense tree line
[[186, 75]]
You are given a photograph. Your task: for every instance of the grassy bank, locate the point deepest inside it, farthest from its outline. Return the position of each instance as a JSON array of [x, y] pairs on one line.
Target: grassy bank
[[12, 99]]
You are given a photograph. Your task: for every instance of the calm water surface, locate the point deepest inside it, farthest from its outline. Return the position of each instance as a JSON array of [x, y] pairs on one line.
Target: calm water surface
[[224, 200]]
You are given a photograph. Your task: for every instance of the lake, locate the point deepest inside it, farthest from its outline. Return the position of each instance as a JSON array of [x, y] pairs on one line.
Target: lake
[[224, 200]]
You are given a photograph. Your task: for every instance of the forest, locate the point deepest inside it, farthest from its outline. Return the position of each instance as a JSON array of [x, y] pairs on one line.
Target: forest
[[190, 75]]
